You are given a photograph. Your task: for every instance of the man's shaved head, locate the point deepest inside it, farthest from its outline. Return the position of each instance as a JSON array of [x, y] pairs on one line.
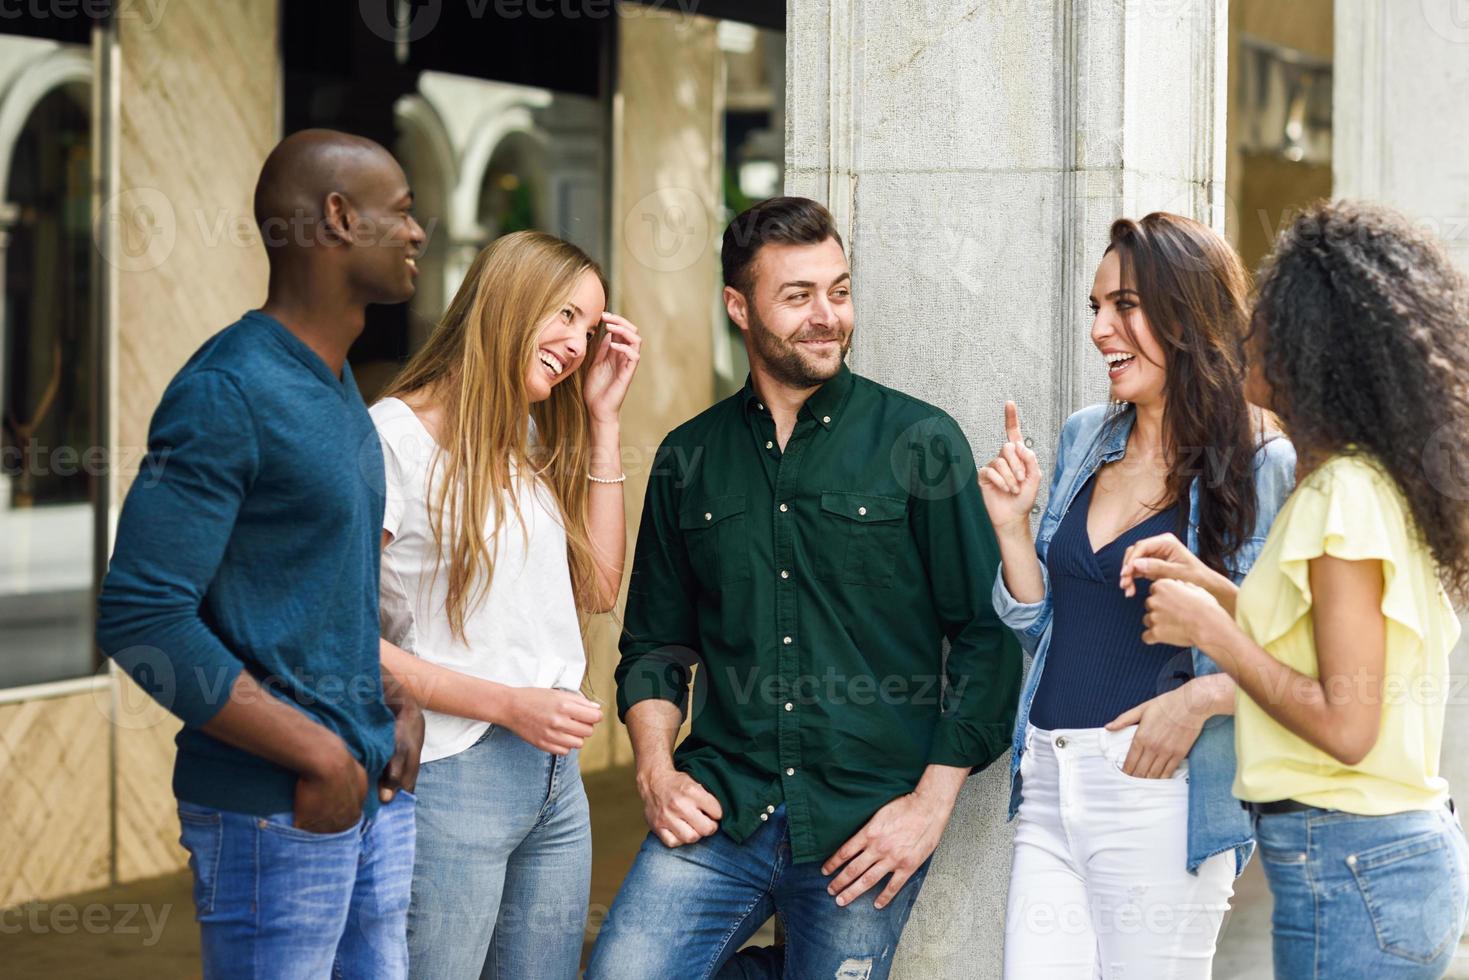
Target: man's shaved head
[[307, 166], [333, 206]]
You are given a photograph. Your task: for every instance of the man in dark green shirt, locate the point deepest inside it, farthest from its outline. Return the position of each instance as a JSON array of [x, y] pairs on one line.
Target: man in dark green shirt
[[806, 548]]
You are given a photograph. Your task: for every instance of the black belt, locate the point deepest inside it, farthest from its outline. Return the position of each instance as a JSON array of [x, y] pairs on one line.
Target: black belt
[[1295, 806]]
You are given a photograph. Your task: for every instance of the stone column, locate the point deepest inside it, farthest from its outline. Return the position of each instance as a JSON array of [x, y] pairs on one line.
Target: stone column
[[1399, 126], [1398, 119], [667, 130], [974, 155]]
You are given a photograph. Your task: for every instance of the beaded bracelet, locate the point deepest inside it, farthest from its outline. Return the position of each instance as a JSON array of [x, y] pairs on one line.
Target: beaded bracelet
[[599, 479]]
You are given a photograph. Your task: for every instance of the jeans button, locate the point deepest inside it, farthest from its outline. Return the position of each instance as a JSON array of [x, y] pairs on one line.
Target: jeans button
[[1061, 742]]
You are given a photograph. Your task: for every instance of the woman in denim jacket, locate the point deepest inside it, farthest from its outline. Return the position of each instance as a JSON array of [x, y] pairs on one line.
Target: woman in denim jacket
[[1129, 839]]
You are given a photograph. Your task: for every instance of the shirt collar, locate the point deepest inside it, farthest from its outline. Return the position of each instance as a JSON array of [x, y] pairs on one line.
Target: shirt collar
[[825, 404], [1114, 443]]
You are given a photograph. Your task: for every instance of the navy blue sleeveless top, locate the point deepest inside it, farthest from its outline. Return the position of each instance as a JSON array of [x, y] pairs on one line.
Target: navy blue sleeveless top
[[1097, 666]]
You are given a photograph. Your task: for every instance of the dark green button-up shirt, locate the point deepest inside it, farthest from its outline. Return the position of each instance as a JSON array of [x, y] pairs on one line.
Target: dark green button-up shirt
[[809, 593]]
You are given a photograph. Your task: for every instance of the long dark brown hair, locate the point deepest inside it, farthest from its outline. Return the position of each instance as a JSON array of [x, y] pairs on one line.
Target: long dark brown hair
[[1195, 292]]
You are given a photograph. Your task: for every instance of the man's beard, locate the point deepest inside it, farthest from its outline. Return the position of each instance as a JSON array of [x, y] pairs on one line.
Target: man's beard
[[784, 361]]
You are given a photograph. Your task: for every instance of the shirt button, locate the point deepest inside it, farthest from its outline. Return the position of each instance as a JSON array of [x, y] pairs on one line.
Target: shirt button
[[862, 511], [769, 445], [826, 419], [783, 508], [764, 816], [790, 707], [790, 772], [786, 640], [708, 517], [770, 809], [1061, 742], [784, 573]]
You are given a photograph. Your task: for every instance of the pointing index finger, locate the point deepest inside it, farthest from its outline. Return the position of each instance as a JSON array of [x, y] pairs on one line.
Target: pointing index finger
[[1012, 422]]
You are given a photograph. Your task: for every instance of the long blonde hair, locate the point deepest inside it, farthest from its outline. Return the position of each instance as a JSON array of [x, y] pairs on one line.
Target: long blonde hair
[[474, 367]]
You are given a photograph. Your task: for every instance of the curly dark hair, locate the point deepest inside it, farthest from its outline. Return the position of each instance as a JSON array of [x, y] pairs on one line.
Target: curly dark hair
[[1361, 327], [1195, 291]]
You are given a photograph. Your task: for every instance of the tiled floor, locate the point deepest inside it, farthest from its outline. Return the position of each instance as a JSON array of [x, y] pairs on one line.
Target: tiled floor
[[146, 931]]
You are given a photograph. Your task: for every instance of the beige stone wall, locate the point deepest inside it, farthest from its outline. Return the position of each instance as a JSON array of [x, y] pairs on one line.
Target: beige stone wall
[[665, 221], [55, 824]]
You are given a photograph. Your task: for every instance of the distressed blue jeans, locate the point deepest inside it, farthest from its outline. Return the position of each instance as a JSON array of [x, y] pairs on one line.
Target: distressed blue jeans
[[683, 912], [275, 902], [1365, 898]]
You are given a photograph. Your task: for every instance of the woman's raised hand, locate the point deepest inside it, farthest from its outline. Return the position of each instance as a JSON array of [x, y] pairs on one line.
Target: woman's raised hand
[[611, 368], [1011, 481]]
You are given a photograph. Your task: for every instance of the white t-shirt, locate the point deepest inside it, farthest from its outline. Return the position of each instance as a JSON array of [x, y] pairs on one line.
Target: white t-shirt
[[523, 633]]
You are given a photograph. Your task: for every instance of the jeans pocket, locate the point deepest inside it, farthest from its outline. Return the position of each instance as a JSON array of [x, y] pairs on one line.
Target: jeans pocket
[[201, 832], [1413, 895], [283, 825], [1115, 745]]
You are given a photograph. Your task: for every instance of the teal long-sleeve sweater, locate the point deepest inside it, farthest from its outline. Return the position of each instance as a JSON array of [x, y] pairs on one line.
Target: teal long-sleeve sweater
[[249, 541]]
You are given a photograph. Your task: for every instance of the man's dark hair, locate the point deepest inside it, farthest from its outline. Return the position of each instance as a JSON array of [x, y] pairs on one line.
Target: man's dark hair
[[774, 221]]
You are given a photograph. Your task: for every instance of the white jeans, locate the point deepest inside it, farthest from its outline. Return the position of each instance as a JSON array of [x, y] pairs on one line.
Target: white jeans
[[1099, 886]]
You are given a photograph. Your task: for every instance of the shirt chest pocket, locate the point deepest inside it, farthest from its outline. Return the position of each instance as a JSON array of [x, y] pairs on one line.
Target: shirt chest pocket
[[858, 536], [715, 533]]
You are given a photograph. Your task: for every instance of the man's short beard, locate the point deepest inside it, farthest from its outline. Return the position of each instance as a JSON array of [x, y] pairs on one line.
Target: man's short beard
[[781, 358]]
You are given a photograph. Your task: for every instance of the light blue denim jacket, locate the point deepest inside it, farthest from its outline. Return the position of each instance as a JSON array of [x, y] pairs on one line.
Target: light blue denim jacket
[[1090, 438]]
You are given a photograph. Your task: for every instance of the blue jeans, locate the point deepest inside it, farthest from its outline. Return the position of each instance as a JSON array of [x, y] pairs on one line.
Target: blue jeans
[[1376, 898], [683, 912], [504, 867], [278, 903]]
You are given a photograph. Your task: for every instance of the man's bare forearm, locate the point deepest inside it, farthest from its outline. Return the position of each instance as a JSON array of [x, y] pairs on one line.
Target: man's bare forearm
[[652, 726], [262, 724]]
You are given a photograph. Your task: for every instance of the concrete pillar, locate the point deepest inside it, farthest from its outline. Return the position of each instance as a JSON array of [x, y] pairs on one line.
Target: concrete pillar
[[1398, 119], [667, 134], [1399, 124], [974, 155]]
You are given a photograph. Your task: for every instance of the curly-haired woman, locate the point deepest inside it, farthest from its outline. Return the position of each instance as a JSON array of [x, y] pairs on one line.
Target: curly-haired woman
[[1339, 637]]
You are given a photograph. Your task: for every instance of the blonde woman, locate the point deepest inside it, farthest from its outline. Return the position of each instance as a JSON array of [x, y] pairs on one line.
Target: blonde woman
[[503, 528]]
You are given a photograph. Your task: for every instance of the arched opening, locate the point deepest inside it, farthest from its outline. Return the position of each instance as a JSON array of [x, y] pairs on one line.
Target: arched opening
[[510, 195], [48, 357]]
